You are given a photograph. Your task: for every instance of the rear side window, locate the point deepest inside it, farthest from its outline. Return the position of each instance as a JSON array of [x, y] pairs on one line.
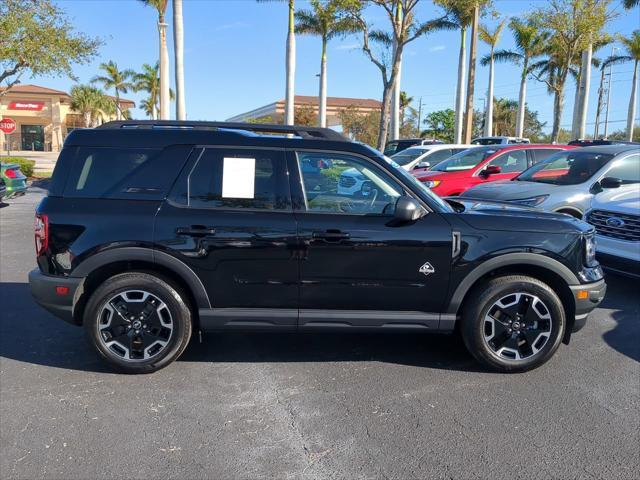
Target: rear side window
[[540, 154], [236, 179], [124, 173]]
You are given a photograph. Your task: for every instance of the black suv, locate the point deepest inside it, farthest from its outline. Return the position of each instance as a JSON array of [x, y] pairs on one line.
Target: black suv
[[154, 230]]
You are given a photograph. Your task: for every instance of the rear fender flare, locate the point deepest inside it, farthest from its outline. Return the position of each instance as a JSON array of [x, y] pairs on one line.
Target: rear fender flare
[[178, 267]]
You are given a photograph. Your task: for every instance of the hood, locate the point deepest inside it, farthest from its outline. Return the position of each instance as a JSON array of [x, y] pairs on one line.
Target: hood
[[484, 215], [625, 199], [509, 190]]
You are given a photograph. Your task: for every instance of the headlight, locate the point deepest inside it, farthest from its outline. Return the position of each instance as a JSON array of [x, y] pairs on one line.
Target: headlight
[[432, 183], [590, 250], [531, 201]]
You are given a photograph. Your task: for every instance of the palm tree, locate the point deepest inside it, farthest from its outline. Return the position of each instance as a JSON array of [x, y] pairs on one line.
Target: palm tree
[[289, 99], [529, 43], [178, 43], [161, 8], [327, 20], [149, 81], [491, 38], [629, 4], [405, 101], [632, 46], [91, 103], [118, 80]]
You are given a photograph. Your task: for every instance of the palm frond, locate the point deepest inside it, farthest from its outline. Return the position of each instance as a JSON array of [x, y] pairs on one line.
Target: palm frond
[[507, 56]]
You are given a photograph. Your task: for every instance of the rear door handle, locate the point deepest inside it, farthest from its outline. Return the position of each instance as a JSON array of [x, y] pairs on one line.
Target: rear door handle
[[196, 231], [331, 235]]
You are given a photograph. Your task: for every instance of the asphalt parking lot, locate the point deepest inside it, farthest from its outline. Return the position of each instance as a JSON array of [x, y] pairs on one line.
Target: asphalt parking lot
[[298, 406]]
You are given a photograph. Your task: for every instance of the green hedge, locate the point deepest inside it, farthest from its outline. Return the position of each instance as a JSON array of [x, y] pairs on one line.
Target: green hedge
[[26, 165]]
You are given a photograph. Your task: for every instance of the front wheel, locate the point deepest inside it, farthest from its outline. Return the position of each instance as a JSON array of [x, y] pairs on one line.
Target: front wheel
[[138, 322], [513, 323]]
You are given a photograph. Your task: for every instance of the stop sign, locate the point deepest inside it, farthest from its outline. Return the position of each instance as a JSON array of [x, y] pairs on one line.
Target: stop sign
[[8, 125]]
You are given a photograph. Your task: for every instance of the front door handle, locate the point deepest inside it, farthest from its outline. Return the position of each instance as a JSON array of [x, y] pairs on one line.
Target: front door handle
[[331, 235], [196, 231]]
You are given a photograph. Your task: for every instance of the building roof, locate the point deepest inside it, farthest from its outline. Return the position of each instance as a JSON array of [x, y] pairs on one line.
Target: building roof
[[38, 90], [337, 101], [34, 89]]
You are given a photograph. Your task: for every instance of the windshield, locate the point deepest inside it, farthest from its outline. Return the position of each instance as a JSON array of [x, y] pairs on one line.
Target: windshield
[[407, 156], [465, 160], [566, 168], [419, 186]]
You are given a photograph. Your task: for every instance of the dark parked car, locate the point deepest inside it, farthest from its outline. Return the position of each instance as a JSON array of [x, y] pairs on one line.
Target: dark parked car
[[395, 146], [154, 230]]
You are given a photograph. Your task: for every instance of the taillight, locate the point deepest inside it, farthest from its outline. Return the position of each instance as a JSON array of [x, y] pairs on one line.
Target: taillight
[[41, 232], [11, 174]]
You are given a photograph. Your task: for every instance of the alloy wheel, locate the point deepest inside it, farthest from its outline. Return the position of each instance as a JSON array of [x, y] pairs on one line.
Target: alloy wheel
[[135, 325], [517, 326]]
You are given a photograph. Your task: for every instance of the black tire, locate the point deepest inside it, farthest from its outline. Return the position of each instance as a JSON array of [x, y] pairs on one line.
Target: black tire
[[172, 322], [482, 333]]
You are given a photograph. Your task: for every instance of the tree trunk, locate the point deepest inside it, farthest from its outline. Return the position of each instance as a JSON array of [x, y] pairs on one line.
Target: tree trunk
[[87, 119], [460, 87], [395, 98], [178, 42], [632, 103], [385, 114], [289, 101], [522, 100], [117, 102], [558, 106], [322, 101], [164, 71], [576, 106], [488, 115], [471, 79], [585, 81], [596, 128]]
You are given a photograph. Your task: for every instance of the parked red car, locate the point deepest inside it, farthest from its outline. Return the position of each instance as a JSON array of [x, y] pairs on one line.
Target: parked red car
[[483, 164]]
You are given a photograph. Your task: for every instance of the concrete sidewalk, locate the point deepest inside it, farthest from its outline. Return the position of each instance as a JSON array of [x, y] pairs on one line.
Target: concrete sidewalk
[[45, 161]]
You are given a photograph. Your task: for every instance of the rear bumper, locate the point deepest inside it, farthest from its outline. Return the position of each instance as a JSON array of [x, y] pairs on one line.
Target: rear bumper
[[44, 289], [587, 302]]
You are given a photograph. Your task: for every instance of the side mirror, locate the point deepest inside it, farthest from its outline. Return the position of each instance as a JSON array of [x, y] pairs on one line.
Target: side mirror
[[407, 210], [610, 182], [492, 170], [423, 165]]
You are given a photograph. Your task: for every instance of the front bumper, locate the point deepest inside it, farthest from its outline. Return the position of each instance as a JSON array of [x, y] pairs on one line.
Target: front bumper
[[48, 291], [587, 297]]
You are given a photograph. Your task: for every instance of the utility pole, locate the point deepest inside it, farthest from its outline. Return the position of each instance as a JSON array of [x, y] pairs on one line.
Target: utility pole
[[419, 116], [606, 115]]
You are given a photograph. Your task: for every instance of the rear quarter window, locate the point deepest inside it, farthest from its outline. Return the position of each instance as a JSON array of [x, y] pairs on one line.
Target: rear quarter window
[[124, 173]]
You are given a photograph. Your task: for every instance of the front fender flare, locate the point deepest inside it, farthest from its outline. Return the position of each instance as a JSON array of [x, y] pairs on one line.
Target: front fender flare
[[506, 260]]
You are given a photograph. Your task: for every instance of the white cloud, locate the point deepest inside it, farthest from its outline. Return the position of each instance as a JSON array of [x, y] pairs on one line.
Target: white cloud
[[437, 48]]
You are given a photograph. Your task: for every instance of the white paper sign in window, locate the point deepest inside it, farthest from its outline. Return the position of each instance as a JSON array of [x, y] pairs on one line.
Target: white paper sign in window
[[238, 177]]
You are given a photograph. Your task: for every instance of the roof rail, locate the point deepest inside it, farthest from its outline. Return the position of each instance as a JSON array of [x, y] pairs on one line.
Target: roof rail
[[314, 133]]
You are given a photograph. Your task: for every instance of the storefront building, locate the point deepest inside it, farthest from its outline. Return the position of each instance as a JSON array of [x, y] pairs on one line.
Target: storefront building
[[43, 117]]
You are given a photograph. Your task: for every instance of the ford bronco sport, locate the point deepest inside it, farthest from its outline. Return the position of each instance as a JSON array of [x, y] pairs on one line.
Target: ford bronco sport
[[153, 230]]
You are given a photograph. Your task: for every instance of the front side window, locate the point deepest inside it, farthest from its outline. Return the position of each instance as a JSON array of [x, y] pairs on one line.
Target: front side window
[[237, 178], [566, 168], [513, 161], [346, 185], [626, 169]]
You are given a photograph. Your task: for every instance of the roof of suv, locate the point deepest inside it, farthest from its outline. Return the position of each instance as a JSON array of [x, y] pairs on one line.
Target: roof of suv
[[160, 134], [611, 149]]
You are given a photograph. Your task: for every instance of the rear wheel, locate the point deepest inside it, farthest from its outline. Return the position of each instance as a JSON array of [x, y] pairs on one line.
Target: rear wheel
[[513, 323], [138, 322]]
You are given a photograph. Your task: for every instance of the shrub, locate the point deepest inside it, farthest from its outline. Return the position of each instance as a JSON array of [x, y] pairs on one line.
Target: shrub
[[26, 165]]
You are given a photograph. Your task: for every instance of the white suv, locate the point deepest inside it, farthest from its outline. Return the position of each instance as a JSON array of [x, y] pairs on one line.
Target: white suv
[[616, 215]]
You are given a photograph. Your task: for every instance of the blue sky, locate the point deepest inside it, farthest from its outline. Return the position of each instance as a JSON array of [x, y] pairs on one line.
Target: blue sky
[[234, 57]]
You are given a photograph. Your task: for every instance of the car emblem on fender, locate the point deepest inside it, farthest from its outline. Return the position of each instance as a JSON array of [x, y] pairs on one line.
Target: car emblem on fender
[[615, 222], [427, 269]]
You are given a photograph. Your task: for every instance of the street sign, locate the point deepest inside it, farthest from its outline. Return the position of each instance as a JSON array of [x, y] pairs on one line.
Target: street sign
[[8, 125]]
